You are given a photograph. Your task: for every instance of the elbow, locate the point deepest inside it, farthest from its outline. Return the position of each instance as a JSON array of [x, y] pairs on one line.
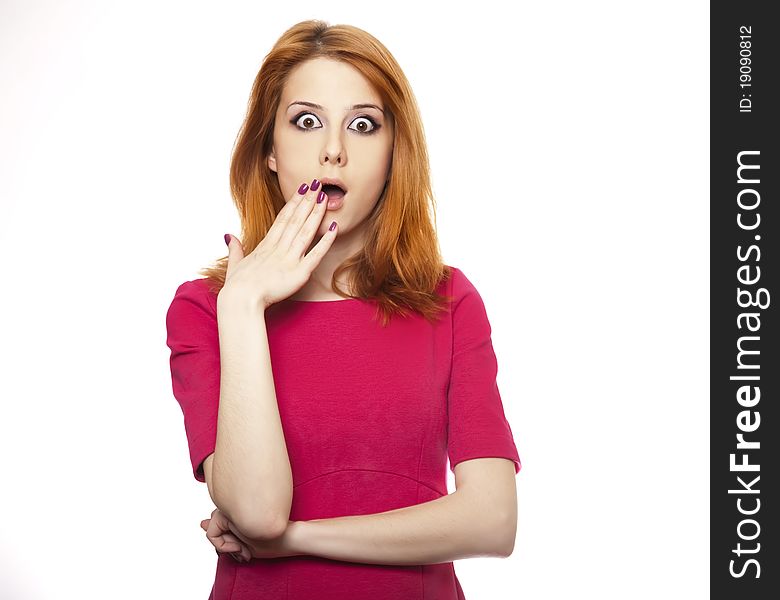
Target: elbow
[[258, 528], [507, 549], [504, 536], [496, 540], [261, 531], [249, 523], [248, 519], [268, 531]]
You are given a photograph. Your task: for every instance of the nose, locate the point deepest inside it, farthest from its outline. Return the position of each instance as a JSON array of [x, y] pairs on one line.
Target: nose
[[334, 151]]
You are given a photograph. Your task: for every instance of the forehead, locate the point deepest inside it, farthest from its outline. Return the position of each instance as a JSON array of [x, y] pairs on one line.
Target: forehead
[[332, 83]]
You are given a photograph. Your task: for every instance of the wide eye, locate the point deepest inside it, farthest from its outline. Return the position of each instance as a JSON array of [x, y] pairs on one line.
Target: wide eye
[[307, 121], [363, 125]]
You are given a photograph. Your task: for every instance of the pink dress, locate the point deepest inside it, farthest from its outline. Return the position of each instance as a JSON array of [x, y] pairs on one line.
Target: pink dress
[[370, 417]]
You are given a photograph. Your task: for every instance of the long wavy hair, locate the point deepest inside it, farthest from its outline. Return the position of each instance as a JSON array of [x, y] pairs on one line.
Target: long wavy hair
[[400, 266]]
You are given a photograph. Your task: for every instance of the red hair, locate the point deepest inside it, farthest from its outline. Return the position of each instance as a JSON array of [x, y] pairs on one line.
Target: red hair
[[400, 266]]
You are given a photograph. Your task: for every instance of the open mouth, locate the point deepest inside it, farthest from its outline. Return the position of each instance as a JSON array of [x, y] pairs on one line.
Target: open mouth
[[334, 192], [334, 188]]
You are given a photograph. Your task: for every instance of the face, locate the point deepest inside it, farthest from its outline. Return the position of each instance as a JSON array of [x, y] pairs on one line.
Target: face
[[325, 128]]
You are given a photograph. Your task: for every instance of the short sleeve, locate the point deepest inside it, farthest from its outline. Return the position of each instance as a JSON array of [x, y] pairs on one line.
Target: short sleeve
[[193, 338], [477, 426]]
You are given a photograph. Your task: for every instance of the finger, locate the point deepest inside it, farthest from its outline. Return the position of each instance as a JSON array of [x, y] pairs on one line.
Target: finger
[[227, 531], [229, 538], [217, 525], [298, 218], [242, 556], [310, 227], [283, 217], [204, 524], [245, 552], [239, 535], [225, 543], [244, 544], [224, 547], [235, 253], [313, 258]]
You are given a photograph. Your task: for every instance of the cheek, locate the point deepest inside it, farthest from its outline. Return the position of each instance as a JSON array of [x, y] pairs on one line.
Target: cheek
[[387, 155], [290, 158], [375, 162], [291, 147], [290, 151]]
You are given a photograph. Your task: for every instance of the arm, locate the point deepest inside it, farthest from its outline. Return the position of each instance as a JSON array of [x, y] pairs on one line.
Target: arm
[[478, 519], [251, 480]]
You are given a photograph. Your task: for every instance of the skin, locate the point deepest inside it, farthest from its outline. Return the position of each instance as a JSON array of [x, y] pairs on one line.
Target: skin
[[354, 145], [478, 519], [333, 142], [335, 147]]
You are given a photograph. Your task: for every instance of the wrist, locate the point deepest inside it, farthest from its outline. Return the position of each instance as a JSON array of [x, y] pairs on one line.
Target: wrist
[[296, 537], [236, 302]]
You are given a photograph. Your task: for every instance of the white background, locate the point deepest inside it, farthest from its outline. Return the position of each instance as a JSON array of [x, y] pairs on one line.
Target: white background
[[569, 144]]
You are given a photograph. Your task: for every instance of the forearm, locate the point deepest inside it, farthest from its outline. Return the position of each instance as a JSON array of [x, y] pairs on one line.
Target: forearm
[[449, 528], [251, 469]]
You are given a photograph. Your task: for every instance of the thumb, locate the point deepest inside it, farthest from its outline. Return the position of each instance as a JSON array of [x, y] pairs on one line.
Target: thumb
[[235, 252]]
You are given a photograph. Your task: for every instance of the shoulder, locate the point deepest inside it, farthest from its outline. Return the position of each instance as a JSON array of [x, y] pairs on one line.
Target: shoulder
[[193, 299], [468, 312], [198, 291], [460, 287]]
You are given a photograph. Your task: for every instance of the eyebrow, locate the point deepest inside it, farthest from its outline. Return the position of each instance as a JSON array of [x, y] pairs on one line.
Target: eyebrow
[[353, 107]]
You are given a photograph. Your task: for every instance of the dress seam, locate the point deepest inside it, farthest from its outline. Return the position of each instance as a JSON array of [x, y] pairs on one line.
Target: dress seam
[[233, 583], [452, 357], [417, 501], [373, 471]]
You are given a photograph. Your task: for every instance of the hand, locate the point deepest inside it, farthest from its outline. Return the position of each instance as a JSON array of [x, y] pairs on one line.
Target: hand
[[219, 531], [277, 267], [226, 538]]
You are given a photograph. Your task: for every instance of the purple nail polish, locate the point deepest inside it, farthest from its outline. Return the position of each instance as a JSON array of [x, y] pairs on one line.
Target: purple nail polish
[[302, 189], [321, 196], [332, 226], [315, 183], [227, 239]]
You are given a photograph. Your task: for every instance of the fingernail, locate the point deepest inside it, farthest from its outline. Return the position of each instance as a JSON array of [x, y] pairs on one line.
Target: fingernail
[[321, 196], [332, 226], [303, 188], [227, 239], [315, 183]]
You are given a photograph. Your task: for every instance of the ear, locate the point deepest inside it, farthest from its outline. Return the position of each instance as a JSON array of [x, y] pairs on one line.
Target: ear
[[272, 161]]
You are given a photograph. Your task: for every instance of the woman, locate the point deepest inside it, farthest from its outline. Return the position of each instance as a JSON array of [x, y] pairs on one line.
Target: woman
[[329, 366]]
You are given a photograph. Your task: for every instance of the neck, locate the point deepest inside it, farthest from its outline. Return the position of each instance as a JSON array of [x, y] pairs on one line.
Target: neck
[[343, 247]]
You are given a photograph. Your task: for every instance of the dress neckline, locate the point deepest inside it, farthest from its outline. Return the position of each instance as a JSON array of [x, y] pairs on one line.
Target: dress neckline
[[322, 301]]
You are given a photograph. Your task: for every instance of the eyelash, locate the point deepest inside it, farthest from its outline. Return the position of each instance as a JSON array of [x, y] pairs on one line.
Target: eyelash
[[375, 126]]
